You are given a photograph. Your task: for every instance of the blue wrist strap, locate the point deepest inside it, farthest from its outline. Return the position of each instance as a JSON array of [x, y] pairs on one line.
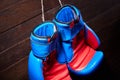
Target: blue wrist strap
[[71, 28], [42, 50], [43, 45]]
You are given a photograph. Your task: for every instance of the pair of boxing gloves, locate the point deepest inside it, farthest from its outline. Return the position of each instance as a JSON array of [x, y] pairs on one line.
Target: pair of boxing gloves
[[66, 44]]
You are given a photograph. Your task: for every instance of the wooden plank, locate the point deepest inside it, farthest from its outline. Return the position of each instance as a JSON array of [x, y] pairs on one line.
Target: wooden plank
[[92, 8], [6, 3], [22, 31], [18, 33], [105, 19], [97, 7], [21, 12], [77, 3], [23, 47], [15, 53], [18, 71]]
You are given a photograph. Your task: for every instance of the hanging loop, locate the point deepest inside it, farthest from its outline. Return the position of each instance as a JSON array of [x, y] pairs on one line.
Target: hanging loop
[[42, 6], [60, 2]]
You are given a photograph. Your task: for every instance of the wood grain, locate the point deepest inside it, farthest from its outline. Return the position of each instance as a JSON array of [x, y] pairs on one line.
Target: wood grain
[[18, 71], [22, 47], [22, 12], [7, 3], [14, 54], [106, 18]]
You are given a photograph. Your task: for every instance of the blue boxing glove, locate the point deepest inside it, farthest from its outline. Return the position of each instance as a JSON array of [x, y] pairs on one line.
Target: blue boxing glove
[[42, 62], [78, 41]]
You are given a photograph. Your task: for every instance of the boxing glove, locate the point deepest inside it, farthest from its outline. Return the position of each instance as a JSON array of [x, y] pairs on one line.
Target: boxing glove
[[42, 61], [78, 41]]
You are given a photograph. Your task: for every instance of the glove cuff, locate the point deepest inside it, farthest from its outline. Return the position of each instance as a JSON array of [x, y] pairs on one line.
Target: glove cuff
[[69, 22], [43, 39]]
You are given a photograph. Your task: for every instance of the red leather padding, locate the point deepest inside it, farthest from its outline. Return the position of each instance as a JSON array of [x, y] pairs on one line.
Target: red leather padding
[[53, 70], [82, 53]]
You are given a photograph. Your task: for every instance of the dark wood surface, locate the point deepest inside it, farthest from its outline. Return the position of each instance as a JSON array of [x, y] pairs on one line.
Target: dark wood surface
[[19, 17]]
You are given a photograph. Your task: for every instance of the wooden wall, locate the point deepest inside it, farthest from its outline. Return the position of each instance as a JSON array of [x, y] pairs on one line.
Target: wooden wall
[[19, 17]]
